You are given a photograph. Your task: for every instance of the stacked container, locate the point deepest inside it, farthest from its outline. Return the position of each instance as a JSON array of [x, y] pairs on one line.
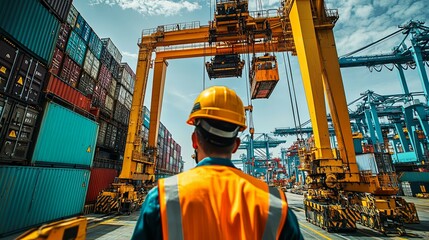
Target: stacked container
[[169, 159]]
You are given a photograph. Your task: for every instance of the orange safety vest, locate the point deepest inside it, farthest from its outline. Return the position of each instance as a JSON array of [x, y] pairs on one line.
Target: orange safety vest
[[219, 202]]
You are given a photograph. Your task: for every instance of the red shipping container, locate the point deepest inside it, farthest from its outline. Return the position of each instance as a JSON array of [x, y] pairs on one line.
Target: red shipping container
[[99, 97], [104, 77], [100, 179], [71, 95], [56, 61], [70, 72], [63, 36]]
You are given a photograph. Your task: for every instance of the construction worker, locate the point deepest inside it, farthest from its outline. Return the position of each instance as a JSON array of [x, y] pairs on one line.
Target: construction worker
[[215, 200]]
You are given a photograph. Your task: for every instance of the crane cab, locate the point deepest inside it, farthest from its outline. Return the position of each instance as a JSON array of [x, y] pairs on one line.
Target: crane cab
[[264, 76], [223, 66]]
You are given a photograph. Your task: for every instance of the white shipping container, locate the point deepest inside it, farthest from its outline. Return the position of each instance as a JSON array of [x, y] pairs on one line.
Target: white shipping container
[[112, 87], [366, 162], [112, 49], [91, 64], [109, 103], [128, 100], [121, 94]]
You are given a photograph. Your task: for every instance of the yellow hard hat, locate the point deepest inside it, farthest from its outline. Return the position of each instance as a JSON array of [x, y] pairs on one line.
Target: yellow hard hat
[[219, 103]]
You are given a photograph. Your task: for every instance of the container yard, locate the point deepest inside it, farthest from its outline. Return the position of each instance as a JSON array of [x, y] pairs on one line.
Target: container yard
[[82, 142]]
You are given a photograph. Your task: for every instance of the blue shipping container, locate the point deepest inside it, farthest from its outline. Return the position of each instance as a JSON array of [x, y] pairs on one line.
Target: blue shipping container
[[32, 25], [82, 28], [95, 45], [76, 48], [65, 138], [31, 196]]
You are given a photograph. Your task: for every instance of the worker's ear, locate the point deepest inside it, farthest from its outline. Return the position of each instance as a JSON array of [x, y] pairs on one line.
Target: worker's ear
[[237, 144], [194, 140]]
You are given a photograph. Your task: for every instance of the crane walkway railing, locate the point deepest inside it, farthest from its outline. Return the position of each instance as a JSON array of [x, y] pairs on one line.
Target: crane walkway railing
[[171, 28]]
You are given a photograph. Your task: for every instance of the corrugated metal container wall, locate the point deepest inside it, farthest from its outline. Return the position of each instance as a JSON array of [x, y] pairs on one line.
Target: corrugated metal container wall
[[70, 71], [30, 24], [101, 178], [121, 138], [59, 8], [128, 100], [76, 143], [57, 60], [414, 177], [29, 80], [121, 114], [63, 36], [95, 45], [105, 77], [8, 60], [366, 162], [26, 201], [99, 97], [126, 76], [112, 87], [82, 28], [114, 68], [113, 50], [71, 95], [120, 93], [72, 16], [109, 104], [102, 133], [76, 48], [18, 132], [86, 84], [91, 64], [106, 57]]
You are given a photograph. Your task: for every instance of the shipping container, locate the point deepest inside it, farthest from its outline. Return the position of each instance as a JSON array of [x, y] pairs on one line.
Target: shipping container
[[99, 97], [146, 118], [82, 28], [8, 60], [31, 25], [121, 138], [106, 57], [70, 71], [86, 84], [28, 202], [63, 36], [112, 49], [412, 188], [127, 77], [112, 88], [114, 68], [128, 100], [101, 178], [17, 127], [120, 93], [108, 105], [104, 78], [72, 16], [95, 45], [414, 177], [91, 65], [102, 133], [76, 48], [121, 113], [59, 8], [65, 138], [29, 79], [67, 93], [111, 131], [57, 60]]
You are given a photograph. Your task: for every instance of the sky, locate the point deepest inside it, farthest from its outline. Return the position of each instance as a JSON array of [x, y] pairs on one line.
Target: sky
[[361, 22]]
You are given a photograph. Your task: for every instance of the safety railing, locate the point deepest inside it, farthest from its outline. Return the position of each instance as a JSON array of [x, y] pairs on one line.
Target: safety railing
[[171, 28], [265, 13]]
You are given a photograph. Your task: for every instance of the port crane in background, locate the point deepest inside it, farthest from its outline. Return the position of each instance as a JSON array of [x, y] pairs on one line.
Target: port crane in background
[[403, 56], [339, 194], [257, 159]]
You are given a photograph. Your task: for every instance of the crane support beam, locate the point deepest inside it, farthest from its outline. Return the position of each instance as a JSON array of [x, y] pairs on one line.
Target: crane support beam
[[156, 102], [309, 60], [133, 143]]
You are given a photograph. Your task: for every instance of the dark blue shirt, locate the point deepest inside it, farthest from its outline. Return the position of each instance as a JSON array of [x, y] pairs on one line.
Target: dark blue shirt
[[149, 223]]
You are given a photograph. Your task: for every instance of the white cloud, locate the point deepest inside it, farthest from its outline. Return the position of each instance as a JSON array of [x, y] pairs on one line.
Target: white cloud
[[130, 55], [152, 7]]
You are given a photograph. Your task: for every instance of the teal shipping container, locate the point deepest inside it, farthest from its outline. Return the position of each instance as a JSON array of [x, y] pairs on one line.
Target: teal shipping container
[[65, 138], [32, 25], [76, 48], [31, 196], [414, 177]]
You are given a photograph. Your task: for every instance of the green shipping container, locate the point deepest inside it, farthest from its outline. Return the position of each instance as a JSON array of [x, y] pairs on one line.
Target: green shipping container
[[30, 23], [31, 196], [65, 138]]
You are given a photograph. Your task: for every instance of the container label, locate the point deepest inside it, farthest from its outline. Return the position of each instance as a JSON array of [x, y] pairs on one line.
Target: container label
[[12, 134], [20, 82], [3, 69], [88, 149]]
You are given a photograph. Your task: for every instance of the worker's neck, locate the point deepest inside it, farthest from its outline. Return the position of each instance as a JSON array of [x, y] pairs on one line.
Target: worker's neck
[[202, 155]]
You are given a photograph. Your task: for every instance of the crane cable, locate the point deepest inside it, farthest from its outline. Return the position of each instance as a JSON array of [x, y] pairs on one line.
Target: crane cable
[[204, 67], [249, 101], [294, 103]]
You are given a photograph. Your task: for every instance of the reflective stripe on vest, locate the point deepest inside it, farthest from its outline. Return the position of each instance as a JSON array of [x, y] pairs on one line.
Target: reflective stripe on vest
[[174, 216]]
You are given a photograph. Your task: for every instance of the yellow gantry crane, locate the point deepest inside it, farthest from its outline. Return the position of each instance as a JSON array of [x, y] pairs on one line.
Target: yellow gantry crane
[[339, 193]]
